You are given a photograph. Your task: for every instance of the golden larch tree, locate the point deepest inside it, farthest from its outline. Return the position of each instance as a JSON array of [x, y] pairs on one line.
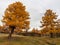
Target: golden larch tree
[[16, 16], [33, 30], [49, 20]]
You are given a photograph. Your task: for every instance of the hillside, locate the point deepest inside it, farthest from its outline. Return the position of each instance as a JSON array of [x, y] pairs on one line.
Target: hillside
[[28, 40]]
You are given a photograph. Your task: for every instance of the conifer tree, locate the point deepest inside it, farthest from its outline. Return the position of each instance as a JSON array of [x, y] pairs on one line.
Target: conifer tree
[[16, 16], [49, 20]]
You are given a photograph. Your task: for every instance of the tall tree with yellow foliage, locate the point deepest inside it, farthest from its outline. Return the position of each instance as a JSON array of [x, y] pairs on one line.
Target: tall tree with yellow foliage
[[49, 20], [16, 16]]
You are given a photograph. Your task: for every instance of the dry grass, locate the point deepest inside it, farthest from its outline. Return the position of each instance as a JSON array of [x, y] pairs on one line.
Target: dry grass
[[27, 40]]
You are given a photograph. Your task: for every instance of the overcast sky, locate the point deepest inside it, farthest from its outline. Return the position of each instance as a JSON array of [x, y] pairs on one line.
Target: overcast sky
[[36, 9]]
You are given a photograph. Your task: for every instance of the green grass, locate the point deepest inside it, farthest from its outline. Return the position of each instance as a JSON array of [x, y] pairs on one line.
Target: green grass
[[28, 40]]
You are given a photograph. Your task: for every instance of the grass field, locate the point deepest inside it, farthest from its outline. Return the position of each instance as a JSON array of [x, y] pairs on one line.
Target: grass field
[[27, 40]]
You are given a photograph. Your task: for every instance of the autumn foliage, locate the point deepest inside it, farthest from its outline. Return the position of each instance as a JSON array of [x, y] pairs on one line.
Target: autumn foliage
[[49, 23], [16, 20], [16, 16]]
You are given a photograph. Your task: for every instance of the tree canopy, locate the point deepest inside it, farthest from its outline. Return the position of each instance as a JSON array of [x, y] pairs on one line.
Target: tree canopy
[[16, 15]]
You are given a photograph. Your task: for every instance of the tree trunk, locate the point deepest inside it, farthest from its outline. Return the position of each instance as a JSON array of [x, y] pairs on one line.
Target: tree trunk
[[51, 35], [26, 30], [12, 30]]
